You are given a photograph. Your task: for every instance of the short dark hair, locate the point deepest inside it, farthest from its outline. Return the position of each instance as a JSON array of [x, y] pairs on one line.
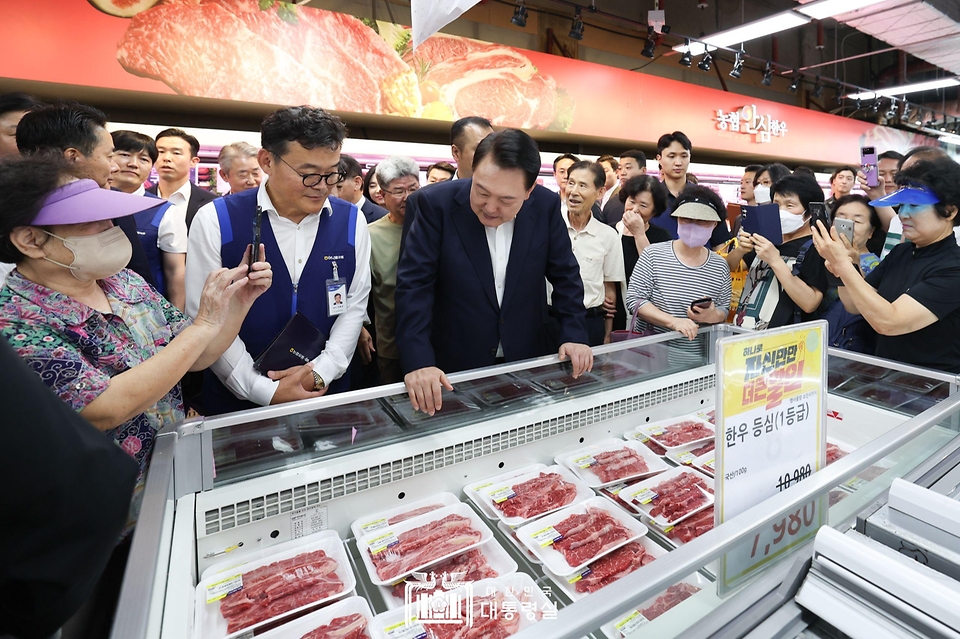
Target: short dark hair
[[460, 127], [803, 186], [565, 156], [804, 170], [133, 142], [350, 167], [599, 176], [183, 135], [443, 166], [637, 155], [609, 159], [511, 149], [857, 198], [776, 171], [640, 183], [891, 155], [25, 183], [753, 168], [940, 175], [310, 127], [367, 178], [703, 195], [928, 152], [669, 138], [60, 126], [10, 102], [840, 169]]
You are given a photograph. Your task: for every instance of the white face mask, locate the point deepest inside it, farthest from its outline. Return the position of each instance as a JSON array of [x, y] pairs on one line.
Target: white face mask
[[761, 194], [96, 257], [790, 223]]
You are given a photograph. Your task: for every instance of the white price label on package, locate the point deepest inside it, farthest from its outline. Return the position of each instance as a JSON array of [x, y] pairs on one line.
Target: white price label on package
[[631, 623], [547, 536], [220, 589], [381, 543], [373, 526], [585, 462], [409, 629], [500, 495]]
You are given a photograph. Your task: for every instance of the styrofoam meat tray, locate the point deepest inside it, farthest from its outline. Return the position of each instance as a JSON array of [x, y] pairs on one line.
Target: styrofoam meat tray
[[511, 534], [501, 490], [636, 436], [612, 493], [378, 521], [297, 628], [631, 625], [377, 538], [532, 597], [553, 559], [568, 584], [473, 490], [684, 455], [241, 556], [642, 492], [210, 624], [497, 558], [396, 623], [581, 461], [656, 429]]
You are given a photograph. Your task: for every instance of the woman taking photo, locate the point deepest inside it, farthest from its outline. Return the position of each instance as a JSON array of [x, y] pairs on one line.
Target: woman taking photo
[[912, 299], [97, 335]]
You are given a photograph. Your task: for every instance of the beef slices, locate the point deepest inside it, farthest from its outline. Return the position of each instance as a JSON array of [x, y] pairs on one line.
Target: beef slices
[[543, 493], [588, 535], [609, 568], [419, 546]]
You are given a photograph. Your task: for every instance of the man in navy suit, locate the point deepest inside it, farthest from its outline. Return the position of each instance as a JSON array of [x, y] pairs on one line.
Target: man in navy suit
[[471, 283]]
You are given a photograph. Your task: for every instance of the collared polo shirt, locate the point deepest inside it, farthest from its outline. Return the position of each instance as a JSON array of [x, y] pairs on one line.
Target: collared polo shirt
[[600, 255]]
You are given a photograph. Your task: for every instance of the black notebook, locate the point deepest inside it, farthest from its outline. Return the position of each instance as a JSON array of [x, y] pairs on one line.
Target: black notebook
[[763, 220], [299, 343]]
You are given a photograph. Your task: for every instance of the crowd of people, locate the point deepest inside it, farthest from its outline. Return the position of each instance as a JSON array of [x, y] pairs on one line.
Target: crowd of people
[[137, 303]]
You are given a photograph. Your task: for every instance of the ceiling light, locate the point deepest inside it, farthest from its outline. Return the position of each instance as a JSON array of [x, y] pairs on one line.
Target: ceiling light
[[909, 88], [875, 107], [767, 75], [686, 59], [859, 105], [704, 64], [892, 111], [795, 84], [829, 8], [737, 65], [817, 88], [750, 31], [650, 46], [576, 29], [519, 15]]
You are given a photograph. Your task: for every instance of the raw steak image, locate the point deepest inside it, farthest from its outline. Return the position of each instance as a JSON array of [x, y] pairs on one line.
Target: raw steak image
[[418, 546], [281, 587], [609, 568], [674, 595], [684, 433], [416, 512], [348, 627], [472, 564], [589, 535], [679, 496], [691, 528], [616, 464], [536, 496]]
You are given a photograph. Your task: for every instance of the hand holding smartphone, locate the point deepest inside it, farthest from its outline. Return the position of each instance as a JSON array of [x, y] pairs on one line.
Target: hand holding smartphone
[[844, 228], [818, 213], [868, 164], [702, 303]]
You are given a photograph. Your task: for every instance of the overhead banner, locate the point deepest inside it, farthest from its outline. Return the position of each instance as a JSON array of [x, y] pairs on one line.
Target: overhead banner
[[269, 52], [429, 16]]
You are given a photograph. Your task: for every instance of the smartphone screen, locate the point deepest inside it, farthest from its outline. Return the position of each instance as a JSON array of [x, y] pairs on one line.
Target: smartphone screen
[[868, 164]]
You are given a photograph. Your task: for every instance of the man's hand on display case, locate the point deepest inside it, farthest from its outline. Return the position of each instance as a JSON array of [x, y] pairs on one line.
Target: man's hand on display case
[[580, 355], [425, 387], [296, 383], [365, 346]]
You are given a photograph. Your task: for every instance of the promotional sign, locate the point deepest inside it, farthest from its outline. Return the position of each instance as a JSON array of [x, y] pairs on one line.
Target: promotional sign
[[771, 435], [429, 16]]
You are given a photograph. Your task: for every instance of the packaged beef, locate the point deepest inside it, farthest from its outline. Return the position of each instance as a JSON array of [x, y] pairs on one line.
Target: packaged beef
[[610, 461], [672, 496], [472, 565], [692, 527], [385, 518], [609, 568], [679, 433], [516, 499], [348, 627], [834, 453], [557, 378], [653, 446], [674, 595], [349, 618], [500, 391]]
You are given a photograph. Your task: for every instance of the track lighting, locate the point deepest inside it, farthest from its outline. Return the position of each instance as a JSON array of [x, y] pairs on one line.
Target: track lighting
[[892, 111], [650, 46], [685, 58], [795, 82], [875, 107], [859, 104], [817, 88], [737, 65], [519, 15], [767, 75], [705, 62], [905, 115], [576, 30]]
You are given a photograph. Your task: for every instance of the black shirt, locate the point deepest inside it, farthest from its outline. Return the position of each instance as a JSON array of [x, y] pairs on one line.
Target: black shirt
[[630, 256], [721, 234], [931, 276]]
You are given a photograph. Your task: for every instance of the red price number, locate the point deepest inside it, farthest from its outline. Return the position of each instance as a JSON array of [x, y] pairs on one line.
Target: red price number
[[785, 529]]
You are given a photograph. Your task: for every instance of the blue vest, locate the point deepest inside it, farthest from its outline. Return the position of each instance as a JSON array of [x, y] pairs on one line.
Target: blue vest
[[148, 230], [272, 310]]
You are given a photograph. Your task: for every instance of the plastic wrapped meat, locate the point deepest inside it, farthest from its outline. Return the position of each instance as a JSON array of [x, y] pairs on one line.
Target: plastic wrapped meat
[[472, 564], [673, 596], [609, 568], [418, 546], [689, 529], [703, 450], [535, 496], [612, 371], [589, 535], [488, 620], [281, 587], [612, 465], [677, 497], [416, 512], [833, 453], [508, 391], [347, 627], [654, 447], [683, 433]]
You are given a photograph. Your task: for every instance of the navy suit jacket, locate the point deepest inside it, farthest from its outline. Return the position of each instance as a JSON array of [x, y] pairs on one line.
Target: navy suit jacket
[[447, 310], [372, 211]]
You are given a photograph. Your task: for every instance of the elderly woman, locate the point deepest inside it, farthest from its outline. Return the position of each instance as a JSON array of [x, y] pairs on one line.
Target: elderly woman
[[912, 299], [102, 339]]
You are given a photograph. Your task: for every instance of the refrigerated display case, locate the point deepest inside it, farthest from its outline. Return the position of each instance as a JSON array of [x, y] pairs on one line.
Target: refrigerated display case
[[230, 489]]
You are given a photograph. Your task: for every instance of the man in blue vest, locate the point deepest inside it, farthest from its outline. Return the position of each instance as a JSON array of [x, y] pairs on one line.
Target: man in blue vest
[[322, 242]]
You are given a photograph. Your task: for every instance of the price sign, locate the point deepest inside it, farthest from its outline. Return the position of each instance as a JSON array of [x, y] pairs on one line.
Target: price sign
[[771, 417]]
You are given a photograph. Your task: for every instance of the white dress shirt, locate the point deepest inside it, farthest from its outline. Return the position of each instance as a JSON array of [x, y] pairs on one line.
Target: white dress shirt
[[172, 232], [235, 367], [499, 241], [600, 255]]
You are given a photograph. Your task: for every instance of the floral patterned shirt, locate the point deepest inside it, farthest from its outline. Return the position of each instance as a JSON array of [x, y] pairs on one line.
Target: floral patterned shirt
[[76, 349]]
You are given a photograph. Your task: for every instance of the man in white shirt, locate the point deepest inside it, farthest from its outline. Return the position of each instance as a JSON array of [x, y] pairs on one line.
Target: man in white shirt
[[321, 241], [177, 153], [596, 246]]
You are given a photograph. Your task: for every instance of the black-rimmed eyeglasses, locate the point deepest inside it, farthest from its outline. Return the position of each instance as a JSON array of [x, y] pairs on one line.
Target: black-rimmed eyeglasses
[[311, 180]]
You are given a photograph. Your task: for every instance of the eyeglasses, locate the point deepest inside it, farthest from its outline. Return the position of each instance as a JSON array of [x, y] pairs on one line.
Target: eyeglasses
[[311, 180], [402, 192]]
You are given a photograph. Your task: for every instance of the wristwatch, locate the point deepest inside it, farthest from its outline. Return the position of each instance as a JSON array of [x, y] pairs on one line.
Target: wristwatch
[[318, 383]]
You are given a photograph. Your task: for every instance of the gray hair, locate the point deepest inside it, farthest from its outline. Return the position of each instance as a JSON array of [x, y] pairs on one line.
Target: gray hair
[[394, 167], [236, 150]]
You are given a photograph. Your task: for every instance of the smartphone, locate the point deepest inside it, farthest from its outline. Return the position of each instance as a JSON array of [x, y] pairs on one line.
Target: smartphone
[[255, 243], [704, 302], [868, 163], [845, 228], [818, 213]]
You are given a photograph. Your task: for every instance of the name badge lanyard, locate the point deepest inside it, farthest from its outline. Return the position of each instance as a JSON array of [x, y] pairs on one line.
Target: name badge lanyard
[[336, 293]]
